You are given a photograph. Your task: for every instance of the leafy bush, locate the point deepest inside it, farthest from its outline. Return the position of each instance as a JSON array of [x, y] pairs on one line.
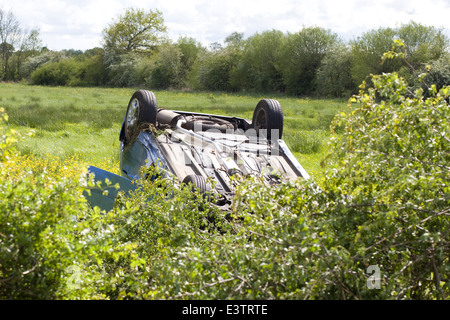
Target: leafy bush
[[37, 241], [212, 71], [46, 251], [168, 69], [383, 207], [437, 72], [334, 78], [121, 69], [59, 73], [258, 69], [301, 56], [389, 190], [73, 71]]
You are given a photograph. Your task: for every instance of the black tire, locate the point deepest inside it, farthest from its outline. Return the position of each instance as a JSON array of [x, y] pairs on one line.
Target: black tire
[[142, 108], [268, 116], [198, 182], [205, 123]]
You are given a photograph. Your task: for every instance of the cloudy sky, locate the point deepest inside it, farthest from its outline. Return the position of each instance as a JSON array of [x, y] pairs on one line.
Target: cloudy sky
[[78, 24]]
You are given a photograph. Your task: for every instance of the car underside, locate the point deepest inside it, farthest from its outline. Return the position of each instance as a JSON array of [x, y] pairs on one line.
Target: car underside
[[209, 151]]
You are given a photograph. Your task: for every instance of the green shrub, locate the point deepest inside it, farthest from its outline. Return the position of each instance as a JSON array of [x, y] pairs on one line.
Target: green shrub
[[43, 251], [383, 206], [437, 72], [62, 73]]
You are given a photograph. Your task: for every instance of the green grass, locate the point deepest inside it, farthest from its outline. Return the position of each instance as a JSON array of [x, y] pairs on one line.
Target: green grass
[[85, 122]]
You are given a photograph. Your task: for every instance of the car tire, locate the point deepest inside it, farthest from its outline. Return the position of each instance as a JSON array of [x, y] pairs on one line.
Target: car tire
[[268, 116], [142, 108], [198, 182]]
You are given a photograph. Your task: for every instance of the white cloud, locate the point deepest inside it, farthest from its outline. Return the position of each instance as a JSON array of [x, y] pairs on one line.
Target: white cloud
[[78, 24]]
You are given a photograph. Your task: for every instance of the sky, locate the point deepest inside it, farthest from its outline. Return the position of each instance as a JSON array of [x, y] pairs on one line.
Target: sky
[[79, 24]]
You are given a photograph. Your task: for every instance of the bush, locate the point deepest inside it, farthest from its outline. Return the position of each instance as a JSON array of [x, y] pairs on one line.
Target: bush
[[377, 227], [38, 241], [301, 56], [334, 78], [168, 71], [61, 73], [383, 208], [212, 71], [47, 250], [389, 191], [437, 72], [257, 69]]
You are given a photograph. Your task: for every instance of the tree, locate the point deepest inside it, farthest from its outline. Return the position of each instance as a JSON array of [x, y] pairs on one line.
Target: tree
[[258, 68], [423, 44], [29, 45], [168, 68], [9, 35], [235, 39], [135, 31], [213, 71], [366, 52], [334, 77], [301, 56], [190, 49]]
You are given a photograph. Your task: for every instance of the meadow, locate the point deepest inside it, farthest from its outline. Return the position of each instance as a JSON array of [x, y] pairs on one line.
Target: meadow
[[82, 124]]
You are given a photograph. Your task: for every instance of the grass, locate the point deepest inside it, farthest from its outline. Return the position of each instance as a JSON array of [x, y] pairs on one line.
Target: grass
[[84, 123]]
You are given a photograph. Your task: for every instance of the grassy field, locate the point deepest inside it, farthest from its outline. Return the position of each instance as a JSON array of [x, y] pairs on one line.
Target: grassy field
[[84, 123]]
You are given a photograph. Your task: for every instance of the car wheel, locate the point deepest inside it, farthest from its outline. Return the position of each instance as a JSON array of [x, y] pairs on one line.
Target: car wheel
[[142, 108], [198, 182], [268, 115]]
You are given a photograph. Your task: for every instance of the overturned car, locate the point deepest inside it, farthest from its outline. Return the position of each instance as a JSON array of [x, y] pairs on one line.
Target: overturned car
[[203, 149]]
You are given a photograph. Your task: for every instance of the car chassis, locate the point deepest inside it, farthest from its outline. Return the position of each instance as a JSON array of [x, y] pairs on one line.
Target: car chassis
[[203, 149]]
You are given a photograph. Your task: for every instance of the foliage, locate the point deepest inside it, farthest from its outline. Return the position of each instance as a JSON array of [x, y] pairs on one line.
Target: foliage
[[33, 63], [8, 138], [390, 187], [258, 69], [59, 73], [366, 51], [168, 68], [135, 30], [437, 73], [121, 69], [333, 77], [422, 45], [16, 44], [382, 205], [64, 70], [38, 229], [312, 61], [213, 70], [302, 55]]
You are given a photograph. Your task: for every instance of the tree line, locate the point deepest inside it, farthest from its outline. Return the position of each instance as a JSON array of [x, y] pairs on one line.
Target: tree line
[[135, 51]]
